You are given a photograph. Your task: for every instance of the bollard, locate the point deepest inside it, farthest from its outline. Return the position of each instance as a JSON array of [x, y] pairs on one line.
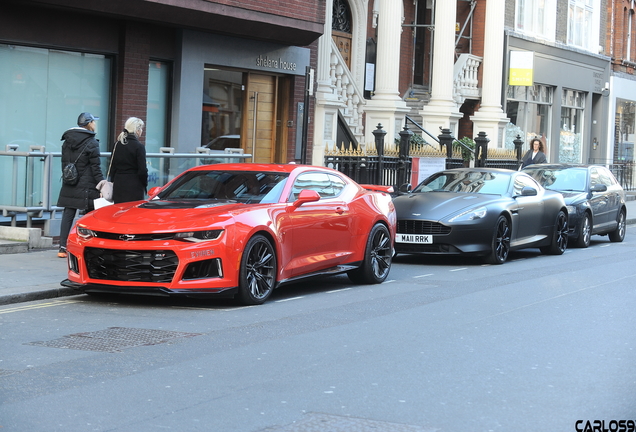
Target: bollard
[[518, 144], [481, 149], [405, 145], [379, 135]]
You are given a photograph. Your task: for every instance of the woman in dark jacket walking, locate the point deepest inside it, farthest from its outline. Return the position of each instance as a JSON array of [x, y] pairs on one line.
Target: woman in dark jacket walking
[[81, 147], [128, 170]]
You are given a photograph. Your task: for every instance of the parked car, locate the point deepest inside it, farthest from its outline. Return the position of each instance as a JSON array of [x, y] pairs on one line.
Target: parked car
[[480, 211], [595, 200], [235, 229], [225, 141]]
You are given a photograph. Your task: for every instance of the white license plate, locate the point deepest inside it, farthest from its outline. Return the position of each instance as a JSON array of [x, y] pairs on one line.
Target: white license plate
[[414, 238]]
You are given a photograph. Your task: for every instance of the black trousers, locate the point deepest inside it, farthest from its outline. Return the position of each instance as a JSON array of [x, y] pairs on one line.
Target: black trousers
[[65, 226]]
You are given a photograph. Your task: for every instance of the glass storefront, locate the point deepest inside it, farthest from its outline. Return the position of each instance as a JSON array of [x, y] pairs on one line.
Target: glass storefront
[[625, 124], [222, 108], [571, 133], [157, 115], [529, 109]]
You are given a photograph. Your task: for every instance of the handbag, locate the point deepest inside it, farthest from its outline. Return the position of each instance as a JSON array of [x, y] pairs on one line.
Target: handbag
[[106, 187]]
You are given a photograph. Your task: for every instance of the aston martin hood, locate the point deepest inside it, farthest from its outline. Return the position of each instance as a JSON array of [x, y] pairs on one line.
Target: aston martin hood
[[437, 205]]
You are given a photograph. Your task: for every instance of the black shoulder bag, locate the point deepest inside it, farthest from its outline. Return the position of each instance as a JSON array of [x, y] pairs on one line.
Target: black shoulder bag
[[70, 176]]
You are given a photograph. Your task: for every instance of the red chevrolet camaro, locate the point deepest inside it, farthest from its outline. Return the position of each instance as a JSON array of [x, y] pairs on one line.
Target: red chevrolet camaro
[[235, 230]]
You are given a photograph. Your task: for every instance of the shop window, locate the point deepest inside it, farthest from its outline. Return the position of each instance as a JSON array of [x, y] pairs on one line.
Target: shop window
[[571, 134], [625, 124], [528, 109], [42, 92], [158, 100], [222, 108]]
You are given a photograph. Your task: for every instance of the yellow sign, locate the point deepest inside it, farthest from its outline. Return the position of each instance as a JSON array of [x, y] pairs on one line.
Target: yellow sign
[[521, 68]]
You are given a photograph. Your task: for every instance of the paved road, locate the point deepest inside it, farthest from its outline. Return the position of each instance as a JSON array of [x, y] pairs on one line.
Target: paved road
[[445, 345]]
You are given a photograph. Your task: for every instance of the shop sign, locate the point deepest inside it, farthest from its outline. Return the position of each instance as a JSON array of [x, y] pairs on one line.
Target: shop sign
[[521, 68]]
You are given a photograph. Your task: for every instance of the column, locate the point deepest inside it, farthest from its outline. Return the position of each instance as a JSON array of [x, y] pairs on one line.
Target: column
[[442, 111], [386, 106], [490, 118]]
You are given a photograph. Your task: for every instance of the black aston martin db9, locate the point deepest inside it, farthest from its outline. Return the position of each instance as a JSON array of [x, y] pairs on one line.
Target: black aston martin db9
[[480, 211]]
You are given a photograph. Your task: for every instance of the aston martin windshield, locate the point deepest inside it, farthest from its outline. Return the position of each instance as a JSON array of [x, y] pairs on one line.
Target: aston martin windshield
[[241, 186], [560, 179], [466, 181]]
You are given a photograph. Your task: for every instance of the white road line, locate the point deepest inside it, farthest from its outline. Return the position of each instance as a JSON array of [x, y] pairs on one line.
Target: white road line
[[389, 281], [421, 276], [459, 269], [338, 290], [289, 299]]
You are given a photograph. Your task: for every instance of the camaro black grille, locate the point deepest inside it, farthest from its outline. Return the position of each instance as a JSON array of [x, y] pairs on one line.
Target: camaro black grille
[[421, 227], [131, 265]]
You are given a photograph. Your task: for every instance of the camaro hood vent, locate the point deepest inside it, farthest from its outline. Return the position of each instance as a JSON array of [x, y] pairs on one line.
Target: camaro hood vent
[[185, 204]]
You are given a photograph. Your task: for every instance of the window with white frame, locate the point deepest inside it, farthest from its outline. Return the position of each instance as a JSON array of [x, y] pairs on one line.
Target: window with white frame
[[536, 18], [584, 24]]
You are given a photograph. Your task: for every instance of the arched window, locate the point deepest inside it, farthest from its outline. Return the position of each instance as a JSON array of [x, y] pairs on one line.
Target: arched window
[[341, 29]]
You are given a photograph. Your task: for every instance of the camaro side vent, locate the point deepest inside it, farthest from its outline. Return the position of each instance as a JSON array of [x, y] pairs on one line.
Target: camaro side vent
[[131, 265], [204, 269], [421, 227]]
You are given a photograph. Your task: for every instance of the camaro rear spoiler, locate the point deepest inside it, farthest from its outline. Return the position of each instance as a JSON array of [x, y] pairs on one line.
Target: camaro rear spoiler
[[378, 188]]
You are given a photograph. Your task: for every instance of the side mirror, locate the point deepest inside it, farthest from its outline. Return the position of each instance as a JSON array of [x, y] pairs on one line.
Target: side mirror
[[405, 188], [598, 188], [528, 191], [306, 196], [153, 192]]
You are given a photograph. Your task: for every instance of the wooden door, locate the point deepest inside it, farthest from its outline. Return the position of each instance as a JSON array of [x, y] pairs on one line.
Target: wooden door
[[260, 118]]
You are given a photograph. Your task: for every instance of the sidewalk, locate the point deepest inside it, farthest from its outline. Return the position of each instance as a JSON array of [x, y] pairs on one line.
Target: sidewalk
[[36, 275]]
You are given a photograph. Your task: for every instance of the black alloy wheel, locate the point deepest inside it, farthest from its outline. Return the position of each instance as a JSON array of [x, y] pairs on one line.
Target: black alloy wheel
[[500, 247], [377, 258], [257, 275], [618, 235], [585, 232], [559, 241]]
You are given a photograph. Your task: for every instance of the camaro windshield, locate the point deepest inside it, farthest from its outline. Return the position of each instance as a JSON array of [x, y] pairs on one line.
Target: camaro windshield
[[242, 186], [567, 179], [467, 182]]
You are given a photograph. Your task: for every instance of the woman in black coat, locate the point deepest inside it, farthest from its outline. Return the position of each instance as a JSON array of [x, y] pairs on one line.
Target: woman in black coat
[[535, 155], [80, 147], [128, 170]]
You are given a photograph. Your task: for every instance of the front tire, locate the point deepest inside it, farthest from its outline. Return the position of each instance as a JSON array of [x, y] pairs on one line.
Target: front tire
[[257, 274], [618, 235], [500, 247], [585, 232], [559, 241], [377, 258]]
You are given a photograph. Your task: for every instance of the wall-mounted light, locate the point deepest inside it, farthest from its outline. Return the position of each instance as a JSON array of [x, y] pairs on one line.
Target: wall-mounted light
[[605, 90], [595, 144]]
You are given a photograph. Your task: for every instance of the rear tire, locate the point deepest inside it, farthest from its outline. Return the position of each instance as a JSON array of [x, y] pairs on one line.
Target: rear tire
[[257, 274], [377, 258], [500, 247], [618, 235], [559, 241], [585, 232]]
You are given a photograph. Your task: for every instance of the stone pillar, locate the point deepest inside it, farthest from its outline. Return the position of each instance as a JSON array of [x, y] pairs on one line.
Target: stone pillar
[[490, 118], [386, 106], [442, 111]]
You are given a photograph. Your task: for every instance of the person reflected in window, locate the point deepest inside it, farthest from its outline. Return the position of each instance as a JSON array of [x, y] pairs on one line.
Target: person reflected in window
[[128, 171], [82, 148], [536, 154]]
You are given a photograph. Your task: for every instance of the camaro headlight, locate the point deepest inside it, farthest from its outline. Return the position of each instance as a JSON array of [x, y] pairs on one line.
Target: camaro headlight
[[85, 233], [198, 236], [472, 214]]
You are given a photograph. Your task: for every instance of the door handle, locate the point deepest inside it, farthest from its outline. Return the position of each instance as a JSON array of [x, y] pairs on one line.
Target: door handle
[[340, 210]]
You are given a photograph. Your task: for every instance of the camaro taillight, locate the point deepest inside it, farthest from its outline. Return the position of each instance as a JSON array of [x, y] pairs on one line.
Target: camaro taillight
[[85, 233], [198, 236]]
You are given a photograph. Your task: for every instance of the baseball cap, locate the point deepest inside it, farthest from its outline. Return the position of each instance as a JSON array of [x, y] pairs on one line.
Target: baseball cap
[[85, 118]]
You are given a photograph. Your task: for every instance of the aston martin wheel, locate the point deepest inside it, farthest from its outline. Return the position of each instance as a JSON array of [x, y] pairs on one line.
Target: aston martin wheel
[[585, 232], [618, 235], [559, 239], [257, 276], [500, 247], [377, 258]]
